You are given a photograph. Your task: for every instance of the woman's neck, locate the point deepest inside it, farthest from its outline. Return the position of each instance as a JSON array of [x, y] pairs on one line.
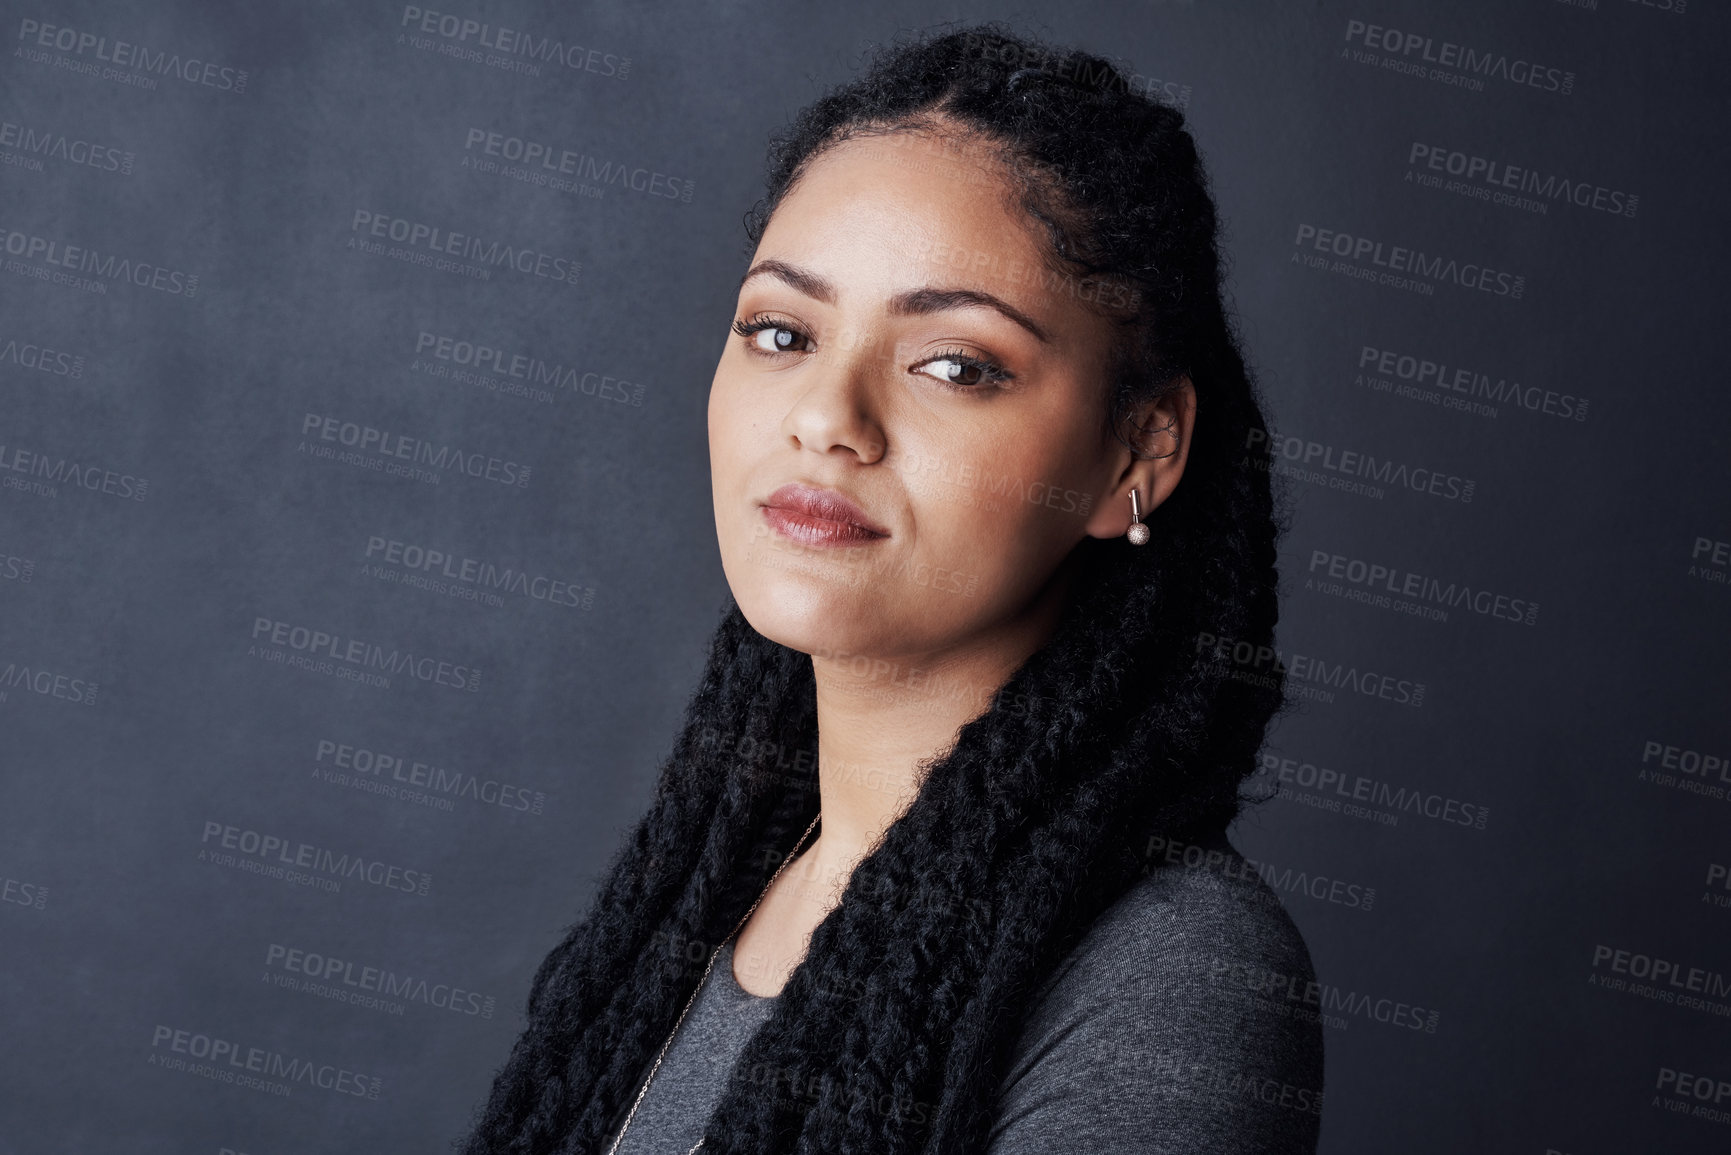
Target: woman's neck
[[879, 722]]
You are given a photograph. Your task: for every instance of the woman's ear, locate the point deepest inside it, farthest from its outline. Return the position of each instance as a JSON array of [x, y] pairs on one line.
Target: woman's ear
[[1158, 432]]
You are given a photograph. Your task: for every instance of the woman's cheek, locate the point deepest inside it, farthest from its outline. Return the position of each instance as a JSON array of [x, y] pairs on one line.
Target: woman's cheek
[[956, 549]]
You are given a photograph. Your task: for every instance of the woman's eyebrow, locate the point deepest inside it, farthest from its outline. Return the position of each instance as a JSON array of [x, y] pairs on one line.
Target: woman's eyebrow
[[918, 301], [913, 302], [804, 280]]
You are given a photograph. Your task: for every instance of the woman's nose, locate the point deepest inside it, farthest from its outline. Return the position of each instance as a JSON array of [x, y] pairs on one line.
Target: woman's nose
[[839, 404]]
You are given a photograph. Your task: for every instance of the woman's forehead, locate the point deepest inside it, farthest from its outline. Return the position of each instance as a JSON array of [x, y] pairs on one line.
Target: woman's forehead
[[880, 214], [902, 179]]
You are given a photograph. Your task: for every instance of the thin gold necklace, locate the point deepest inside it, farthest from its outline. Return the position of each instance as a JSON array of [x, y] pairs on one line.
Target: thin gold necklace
[[707, 967]]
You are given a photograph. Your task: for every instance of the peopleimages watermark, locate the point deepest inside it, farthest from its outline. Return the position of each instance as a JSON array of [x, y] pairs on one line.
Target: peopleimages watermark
[[1669, 7], [258, 1068], [1399, 266], [1703, 1089], [24, 146], [1688, 770], [792, 1085], [278, 854], [1718, 878], [375, 988], [17, 892], [321, 646], [1353, 470], [412, 775], [1455, 387], [1692, 762], [14, 568], [46, 683], [1355, 795], [1109, 293], [1511, 184], [1255, 664], [41, 358], [857, 566], [120, 55], [391, 448], [968, 483], [1710, 560], [539, 378], [1661, 980], [1192, 1079], [1462, 65], [1318, 1001], [430, 244], [511, 48], [1085, 73], [1424, 596], [43, 473], [1246, 871], [564, 169], [96, 270], [467, 577]]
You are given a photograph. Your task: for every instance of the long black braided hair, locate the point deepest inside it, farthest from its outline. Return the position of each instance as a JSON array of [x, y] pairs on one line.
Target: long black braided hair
[[1136, 719]]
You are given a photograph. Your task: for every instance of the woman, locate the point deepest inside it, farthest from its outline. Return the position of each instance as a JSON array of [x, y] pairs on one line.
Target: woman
[[980, 338]]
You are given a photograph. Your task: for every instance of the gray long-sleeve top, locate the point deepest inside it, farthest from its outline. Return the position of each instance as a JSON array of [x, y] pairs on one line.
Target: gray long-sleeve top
[[1175, 1025]]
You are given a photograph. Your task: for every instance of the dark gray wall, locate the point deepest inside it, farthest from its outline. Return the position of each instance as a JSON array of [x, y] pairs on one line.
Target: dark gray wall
[[1531, 788]]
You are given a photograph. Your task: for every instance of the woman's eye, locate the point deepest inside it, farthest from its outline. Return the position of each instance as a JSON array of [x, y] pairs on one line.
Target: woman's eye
[[778, 340], [963, 372], [767, 334]]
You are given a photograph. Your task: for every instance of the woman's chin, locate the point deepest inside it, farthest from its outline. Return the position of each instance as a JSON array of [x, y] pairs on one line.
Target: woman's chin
[[814, 622]]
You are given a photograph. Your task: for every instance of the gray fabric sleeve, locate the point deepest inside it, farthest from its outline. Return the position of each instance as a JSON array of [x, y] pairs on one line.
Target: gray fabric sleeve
[[1164, 1029]]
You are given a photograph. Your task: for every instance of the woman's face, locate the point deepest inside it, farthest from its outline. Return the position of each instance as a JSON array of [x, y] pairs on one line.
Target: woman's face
[[901, 343]]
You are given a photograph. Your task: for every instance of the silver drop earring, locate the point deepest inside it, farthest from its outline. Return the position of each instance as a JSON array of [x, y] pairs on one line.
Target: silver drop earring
[[1137, 533]]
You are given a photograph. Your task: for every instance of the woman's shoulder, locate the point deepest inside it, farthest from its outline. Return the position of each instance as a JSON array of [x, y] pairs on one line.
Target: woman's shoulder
[[1179, 1021], [1200, 909]]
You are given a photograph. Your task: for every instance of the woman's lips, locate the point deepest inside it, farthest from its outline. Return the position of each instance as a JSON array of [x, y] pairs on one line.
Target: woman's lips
[[815, 516]]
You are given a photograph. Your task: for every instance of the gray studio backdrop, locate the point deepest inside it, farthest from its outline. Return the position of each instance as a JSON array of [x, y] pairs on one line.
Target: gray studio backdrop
[[357, 555]]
